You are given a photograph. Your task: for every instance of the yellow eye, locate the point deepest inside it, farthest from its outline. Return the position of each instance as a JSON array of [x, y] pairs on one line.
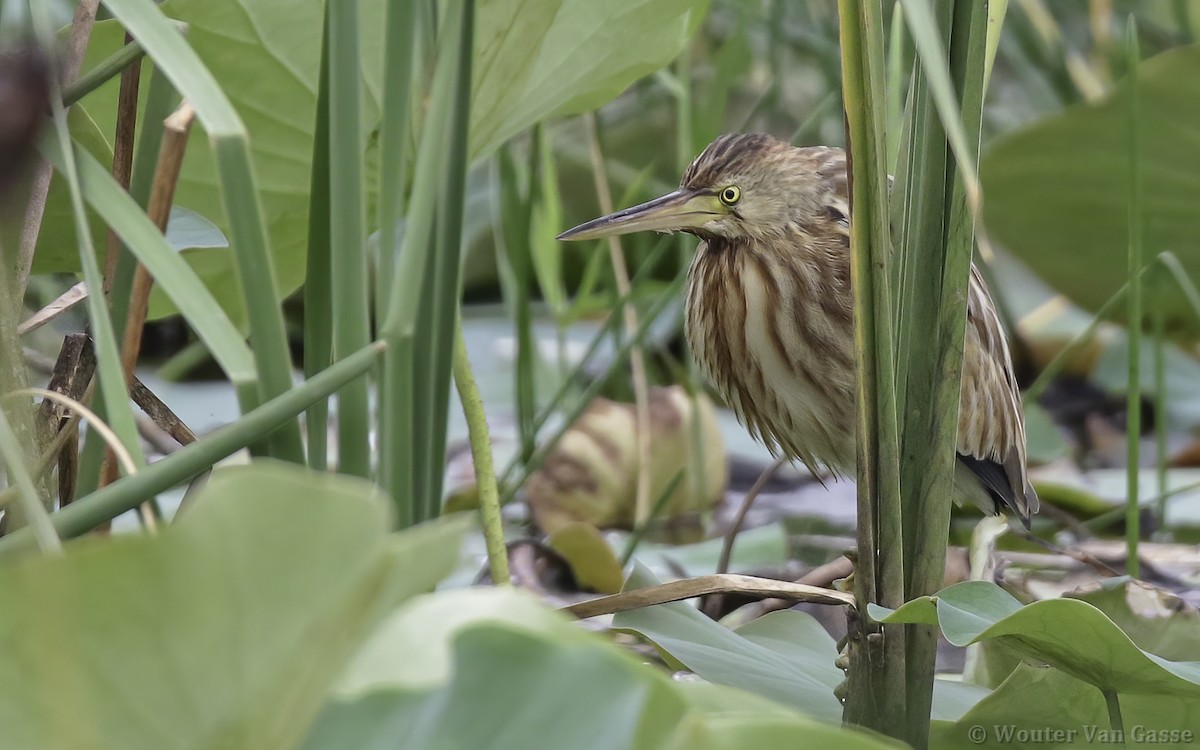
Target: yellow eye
[[730, 195]]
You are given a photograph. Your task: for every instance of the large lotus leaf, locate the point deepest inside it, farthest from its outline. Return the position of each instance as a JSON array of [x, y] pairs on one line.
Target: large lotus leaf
[[802, 676], [226, 630], [1038, 707], [1068, 634], [1155, 620], [734, 731], [533, 59], [1056, 194], [492, 669], [786, 656]]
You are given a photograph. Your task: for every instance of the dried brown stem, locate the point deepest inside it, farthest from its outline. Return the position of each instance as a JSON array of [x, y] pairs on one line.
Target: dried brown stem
[[162, 195], [637, 363], [160, 414], [122, 170], [713, 605], [690, 588], [822, 575], [60, 305], [743, 511], [72, 377]]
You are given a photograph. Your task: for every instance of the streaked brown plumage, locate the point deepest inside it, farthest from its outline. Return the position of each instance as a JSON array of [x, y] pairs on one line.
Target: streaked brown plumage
[[770, 313]]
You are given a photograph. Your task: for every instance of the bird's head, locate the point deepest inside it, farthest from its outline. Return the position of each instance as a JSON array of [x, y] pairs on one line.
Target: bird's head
[[742, 186]]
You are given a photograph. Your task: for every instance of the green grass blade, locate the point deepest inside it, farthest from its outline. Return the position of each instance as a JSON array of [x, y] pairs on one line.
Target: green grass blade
[[351, 315], [58, 147], [160, 101], [405, 429], [435, 332], [171, 272], [248, 237], [934, 310], [514, 258], [160, 37], [997, 12], [394, 136], [934, 65], [318, 286], [1133, 408]]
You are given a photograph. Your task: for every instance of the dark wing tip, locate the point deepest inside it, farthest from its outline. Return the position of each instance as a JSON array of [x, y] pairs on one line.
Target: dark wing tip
[[997, 481]]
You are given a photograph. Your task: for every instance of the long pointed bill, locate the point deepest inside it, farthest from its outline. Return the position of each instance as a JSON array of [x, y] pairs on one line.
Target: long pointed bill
[[682, 209]]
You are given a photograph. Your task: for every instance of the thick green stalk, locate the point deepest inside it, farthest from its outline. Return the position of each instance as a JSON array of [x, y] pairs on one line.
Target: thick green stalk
[[1133, 409], [318, 284], [435, 329], [481, 453], [876, 697], [126, 494], [935, 67], [409, 428], [401, 35], [918, 210], [351, 316], [394, 134], [935, 298]]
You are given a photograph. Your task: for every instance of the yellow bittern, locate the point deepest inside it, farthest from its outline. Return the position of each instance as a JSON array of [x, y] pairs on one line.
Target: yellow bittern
[[770, 315]]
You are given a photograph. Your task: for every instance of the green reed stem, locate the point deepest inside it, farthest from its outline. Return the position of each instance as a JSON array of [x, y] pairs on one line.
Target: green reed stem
[[347, 218], [318, 286], [876, 697], [1133, 409]]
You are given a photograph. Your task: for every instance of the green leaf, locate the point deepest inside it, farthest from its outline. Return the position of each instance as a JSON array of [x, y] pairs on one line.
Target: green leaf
[[587, 55], [785, 656], [188, 230], [1045, 441], [226, 630], [753, 658], [593, 562], [752, 730], [1056, 193], [57, 247], [1068, 634], [919, 611], [1039, 699], [1154, 619], [552, 57], [494, 669]]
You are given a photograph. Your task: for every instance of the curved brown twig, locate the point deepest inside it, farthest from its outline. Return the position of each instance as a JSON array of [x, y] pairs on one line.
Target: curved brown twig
[[726, 583]]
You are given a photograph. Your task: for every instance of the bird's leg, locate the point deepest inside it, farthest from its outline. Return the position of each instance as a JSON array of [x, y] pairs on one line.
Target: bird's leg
[[845, 645]]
